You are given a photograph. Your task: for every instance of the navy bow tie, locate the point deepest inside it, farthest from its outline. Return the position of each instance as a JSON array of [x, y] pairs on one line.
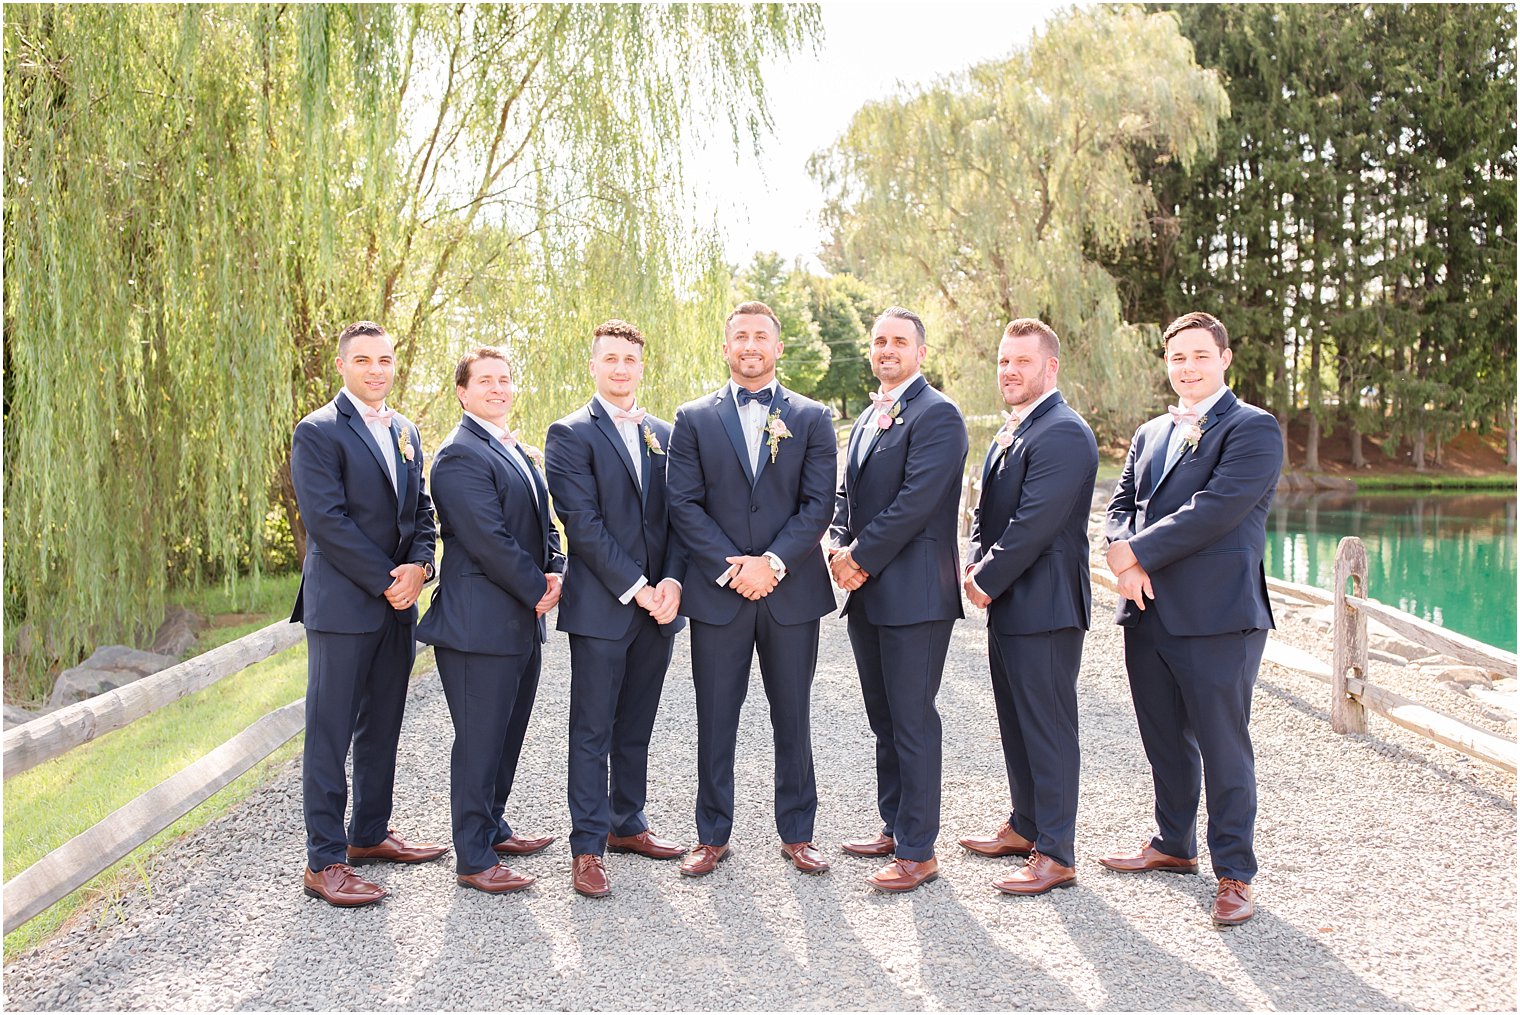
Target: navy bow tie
[[763, 396]]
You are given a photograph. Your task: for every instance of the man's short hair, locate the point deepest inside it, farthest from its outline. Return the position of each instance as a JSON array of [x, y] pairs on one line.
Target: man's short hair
[[356, 329], [617, 329], [1050, 345], [752, 307], [906, 315], [467, 362], [1198, 319]]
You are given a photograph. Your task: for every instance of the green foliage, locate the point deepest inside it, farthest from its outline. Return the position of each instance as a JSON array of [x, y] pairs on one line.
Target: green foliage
[[199, 197], [845, 309], [805, 356], [1356, 231], [982, 197]]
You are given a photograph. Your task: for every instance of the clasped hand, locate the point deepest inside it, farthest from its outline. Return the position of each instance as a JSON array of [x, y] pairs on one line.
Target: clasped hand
[[555, 582], [751, 577], [661, 601], [402, 593], [847, 574], [1134, 582], [975, 596]]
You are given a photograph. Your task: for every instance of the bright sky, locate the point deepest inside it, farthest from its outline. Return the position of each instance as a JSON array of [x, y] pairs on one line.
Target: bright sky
[[869, 51]]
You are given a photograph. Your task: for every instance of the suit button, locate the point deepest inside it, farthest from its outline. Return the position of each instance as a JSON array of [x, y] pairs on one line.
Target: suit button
[[749, 551], [753, 508], [639, 563]]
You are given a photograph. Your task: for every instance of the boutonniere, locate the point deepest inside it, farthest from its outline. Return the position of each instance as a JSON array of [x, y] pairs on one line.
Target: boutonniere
[[651, 441], [777, 431], [534, 455], [404, 445], [1194, 433], [885, 420]]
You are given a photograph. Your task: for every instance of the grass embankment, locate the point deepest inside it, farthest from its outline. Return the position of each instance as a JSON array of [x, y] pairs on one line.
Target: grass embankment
[[1499, 482], [50, 804]]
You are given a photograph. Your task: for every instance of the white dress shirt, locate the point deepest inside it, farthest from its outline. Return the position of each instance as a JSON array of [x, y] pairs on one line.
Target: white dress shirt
[[1174, 442], [867, 418], [516, 451], [384, 439]]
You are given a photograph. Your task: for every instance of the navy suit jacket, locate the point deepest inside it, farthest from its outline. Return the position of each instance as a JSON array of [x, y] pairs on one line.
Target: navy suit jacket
[[896, 511], [358, 529], [720, 510], [618, 530], [1030, 531], [498, 544], [1200, 531]]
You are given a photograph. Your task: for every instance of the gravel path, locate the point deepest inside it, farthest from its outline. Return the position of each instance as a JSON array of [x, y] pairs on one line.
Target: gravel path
[[1387, 882]]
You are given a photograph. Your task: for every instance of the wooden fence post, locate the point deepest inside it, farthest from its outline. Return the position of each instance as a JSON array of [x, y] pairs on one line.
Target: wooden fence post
[[1350, 630]]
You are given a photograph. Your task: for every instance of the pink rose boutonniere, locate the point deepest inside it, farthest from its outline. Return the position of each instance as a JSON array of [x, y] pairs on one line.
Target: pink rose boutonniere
[[651, 441], [534, 455], [404, 445], [1194, 433], [885, 420], [776, 431]]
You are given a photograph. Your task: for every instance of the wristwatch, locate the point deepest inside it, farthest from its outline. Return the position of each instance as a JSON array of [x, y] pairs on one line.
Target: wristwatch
[[428, 571]]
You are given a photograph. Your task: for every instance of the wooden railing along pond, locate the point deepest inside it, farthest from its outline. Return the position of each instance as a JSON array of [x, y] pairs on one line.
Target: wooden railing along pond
[[69, 866]]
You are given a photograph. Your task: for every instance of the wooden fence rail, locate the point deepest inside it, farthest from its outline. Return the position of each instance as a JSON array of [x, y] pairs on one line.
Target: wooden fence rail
[[48, 736]]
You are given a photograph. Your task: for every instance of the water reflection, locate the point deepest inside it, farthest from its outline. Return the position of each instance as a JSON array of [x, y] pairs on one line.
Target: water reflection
[[1449, 558]]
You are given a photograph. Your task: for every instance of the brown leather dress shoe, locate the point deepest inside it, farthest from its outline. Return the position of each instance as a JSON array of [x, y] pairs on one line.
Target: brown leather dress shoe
[[1037, 877], [338, 885], [1233, 903], [805, 857], [703, 860], [646, 843], [904, 875], [496, 880], [394, 849], [589, 877], [518, 846], [882, 845], [1148, 858], [1004, 842]]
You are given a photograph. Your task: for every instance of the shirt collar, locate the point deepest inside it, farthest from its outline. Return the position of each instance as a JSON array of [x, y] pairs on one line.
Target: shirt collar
[[896, 392], [610, 409], [1204, 407], [733, 391], [487, 425], [359, 406], [1029, 409]]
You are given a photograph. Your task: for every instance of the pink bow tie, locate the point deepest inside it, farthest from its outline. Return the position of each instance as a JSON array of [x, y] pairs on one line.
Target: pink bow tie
[[1182, 417], [1011, 421], [635, 417], [382, 416], [509, 438], [881, 402]]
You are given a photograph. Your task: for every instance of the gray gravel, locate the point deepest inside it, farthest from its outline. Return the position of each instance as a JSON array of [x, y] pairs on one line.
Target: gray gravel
[[1387, 882]]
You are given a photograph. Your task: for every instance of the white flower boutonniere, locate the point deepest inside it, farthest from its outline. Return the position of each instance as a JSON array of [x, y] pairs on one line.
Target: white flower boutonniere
[[651, 441], [776, 432], [534, 455], [404, 445]]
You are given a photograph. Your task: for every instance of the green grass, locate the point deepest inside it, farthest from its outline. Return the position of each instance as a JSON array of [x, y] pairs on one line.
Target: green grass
[[1502, 481], [50, 804]]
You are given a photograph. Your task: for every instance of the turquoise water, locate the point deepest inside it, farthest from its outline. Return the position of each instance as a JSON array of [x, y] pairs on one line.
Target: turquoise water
[[1448, 558]]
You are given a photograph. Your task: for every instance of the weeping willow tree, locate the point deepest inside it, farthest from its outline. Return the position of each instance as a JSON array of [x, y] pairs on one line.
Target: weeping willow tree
[[984, 196], [197, 198]]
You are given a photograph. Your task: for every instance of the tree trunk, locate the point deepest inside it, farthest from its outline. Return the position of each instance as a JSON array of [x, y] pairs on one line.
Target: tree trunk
[[1438, 459], [1311, 445], [287, 495], [1282, 424], [1419, 450], [1358, 459], [1509, 438]]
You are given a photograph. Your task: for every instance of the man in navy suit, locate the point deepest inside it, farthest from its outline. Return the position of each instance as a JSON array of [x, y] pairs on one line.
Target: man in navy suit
[[502, 570], [606, 468], [895, 550], [1028, 568], [357, 470], [751, 481], [1187, 530]]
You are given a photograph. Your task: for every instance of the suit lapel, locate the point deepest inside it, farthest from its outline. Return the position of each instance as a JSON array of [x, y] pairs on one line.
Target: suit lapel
[[728, 412], [528, 477], [356, 423], [876, 434], [646, 472], [781, 404], [1163, 441], [402, 475], [609, 429]]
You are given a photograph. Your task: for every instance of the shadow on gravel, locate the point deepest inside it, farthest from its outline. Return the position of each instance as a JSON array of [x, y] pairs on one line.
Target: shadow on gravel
[[1299, 973], [1391, 751], [960, 958]]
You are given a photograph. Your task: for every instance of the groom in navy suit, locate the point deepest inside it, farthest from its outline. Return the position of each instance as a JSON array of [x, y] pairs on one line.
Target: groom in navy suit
[[1187, 533], [751, 481], [606, 468], [896, 551], [502, 569], [1027, 567], [357, 470]]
